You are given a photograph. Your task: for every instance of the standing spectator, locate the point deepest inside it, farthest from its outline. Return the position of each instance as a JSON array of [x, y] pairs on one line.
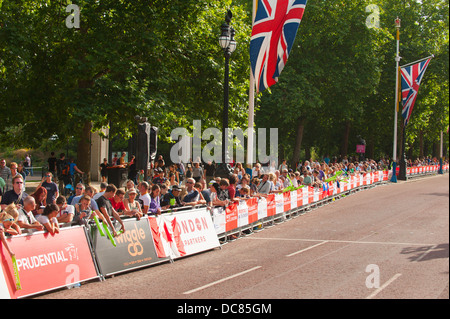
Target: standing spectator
[[61, 163], [16, 195], [197, 172], [73, 168], [122, 159], [104, 170], [48, 218], [5, 172], [52, 163], [114, 160], [210, 171], [27, 164], [51, 187]]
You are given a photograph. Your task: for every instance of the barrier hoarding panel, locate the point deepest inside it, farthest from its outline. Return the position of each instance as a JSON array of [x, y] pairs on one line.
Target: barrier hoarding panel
[[242, 213], [134, 248], [47, 262], [252, 205], [262, 208], [4, 291], [300, 197], [187, 233], [219, 219], [231, 217], [286, 201]]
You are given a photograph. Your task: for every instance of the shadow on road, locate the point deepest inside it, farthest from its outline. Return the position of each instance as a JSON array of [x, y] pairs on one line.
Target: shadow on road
[[425, 253]]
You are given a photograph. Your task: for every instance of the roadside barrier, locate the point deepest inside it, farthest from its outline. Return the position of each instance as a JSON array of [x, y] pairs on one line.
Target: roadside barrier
[[81, 253]]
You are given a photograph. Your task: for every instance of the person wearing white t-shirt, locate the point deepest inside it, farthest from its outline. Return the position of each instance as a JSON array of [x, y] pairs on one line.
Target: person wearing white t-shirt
[[66, 212], [48, 218], [144, 198], [26, 218]]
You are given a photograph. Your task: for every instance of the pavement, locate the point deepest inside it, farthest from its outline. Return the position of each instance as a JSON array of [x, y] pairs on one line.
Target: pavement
[[388, 242]]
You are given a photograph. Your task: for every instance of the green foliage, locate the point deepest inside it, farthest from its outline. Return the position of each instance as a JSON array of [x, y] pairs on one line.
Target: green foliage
[[161, 59]]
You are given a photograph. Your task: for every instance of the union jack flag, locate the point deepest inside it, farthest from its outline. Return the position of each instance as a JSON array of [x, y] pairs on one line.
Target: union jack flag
[[274, 29], [411, 78]]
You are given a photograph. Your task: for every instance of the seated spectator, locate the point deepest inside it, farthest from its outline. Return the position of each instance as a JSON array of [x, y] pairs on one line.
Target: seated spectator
[[15, 195], [106, 209], [190, 190], [40, 197], [244, 192], [79, 190], [144, 197], [265, 186], [307, 180], [164, 199], [26, 218], [222, 193], [117, 201], [103, 186], [83, 211], [8, 218], [48, 218], [155, 207], [66, 212], [132, 206], [174, 197], [254, 185], [159, 177], [215, 201]]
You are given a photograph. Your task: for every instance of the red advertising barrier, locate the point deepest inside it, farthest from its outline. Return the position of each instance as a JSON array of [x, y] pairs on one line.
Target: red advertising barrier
[[47, 262]]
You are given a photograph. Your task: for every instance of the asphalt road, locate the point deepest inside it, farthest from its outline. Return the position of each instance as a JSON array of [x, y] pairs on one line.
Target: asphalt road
[[391, 241]]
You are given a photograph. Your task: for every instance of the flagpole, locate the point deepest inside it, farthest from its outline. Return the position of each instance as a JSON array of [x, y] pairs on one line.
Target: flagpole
[[397, 60], [251, 107], [406, 65]]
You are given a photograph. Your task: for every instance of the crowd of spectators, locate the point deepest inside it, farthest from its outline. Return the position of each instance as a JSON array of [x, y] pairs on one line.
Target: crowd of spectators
[[172, 187]]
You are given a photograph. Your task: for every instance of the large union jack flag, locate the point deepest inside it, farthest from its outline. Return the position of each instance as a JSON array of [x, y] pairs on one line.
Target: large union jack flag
[[274, 29], [411, 78]]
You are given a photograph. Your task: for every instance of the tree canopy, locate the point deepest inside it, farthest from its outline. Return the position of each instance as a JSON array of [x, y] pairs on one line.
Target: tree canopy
[[161, 59]]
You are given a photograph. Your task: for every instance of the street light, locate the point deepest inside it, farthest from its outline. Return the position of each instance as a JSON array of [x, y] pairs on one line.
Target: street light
[[228, 44]]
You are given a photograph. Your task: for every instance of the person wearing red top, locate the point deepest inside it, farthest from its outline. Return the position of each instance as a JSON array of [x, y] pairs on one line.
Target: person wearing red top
[[117, 201]]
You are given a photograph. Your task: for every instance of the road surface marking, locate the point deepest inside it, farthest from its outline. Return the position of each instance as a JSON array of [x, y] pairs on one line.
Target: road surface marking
[[221, 280], [344, 241], [311, 247], [387, 283], [425, 253]]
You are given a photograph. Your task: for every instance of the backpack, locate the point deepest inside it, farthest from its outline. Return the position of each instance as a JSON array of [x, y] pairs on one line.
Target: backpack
[[66, 169]]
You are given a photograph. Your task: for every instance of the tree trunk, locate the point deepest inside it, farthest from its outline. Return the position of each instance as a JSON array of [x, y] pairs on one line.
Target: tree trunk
[[298, 140], [420, 144], [344, 149], [84, 151]]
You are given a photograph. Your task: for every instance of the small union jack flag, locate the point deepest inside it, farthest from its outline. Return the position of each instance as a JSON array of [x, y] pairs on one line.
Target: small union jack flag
[[274, 29], [411, 78]]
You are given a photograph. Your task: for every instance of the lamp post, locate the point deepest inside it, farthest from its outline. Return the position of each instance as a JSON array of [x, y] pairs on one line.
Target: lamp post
[[228, 44], [396, 108]]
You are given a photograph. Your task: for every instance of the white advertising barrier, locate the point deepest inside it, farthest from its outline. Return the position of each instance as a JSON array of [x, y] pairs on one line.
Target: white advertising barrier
[[187, 233], [4, 294]]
